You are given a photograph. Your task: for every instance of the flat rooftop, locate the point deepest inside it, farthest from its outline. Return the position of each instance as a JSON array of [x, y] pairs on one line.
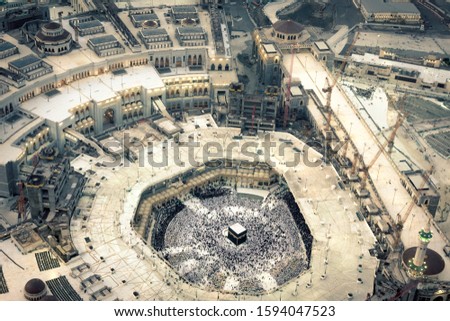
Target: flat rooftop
[[322, 45], [167, 126], [184, 9], [237, 228], [153, 32], [190, 30], [99, 88], [296, 91], [11, 75], [144, 17], [269, 48], [103, 39], [171, 28], [428, 74], [389, 6], [55, 108], [25, 61], [11, 152], [419, 182], [5, 45], [89, 24]]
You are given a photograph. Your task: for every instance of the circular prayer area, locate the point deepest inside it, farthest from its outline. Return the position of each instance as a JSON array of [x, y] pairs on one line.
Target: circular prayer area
[[220, 240]]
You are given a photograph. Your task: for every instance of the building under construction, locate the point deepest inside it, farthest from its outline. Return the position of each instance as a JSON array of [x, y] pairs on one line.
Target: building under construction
[[52, 186]]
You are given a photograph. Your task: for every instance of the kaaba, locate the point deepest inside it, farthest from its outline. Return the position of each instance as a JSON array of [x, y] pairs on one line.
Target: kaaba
[[237, 234]]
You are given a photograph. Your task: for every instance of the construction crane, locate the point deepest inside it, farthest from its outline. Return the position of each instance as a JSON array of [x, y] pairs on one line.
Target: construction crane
[[355, 162], [389, 143], [329, 86], [21, 203], [253, 116], [407, 288], [401, 220], [328, 90], [345, 146], [287, 103], [390, 140]]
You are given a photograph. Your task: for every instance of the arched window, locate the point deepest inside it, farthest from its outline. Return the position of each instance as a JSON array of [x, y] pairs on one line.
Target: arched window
[[227, 67], [219, 68], [213, 67]]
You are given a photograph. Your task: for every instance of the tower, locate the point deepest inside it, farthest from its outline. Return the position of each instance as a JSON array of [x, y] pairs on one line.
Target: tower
[[417, 265]]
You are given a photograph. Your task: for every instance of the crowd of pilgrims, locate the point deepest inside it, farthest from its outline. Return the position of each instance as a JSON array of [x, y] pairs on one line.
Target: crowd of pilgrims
[[192, 237]]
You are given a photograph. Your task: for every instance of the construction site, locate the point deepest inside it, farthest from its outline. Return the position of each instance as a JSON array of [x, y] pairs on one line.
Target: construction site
[[143, 165]]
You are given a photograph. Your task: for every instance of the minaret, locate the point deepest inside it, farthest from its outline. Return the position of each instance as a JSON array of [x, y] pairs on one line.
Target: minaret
[[418, 264]]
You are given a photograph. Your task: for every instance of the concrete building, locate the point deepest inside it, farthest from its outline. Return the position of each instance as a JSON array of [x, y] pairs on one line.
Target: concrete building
[[53, 187], [87, 26], [155, 38], [191, 36], [81, 6], [4, 88], [253, 112], [142, 19], [268, 59], [91, 95], [106, 46], [30, 67], [183, 13], [188, 95], [287, 30], [53, 39], [15, 16], [322, 52], [294, 100], [420, 77], [7, 49], [270, 43], [390, 11], [427, 61], [11, 78], [422, 189]]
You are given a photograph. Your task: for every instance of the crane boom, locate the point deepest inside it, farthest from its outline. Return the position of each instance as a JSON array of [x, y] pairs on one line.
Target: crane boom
[[21, 203], [389, 141], [408, 287], [288, 91], [346, 143], [329, 86]]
